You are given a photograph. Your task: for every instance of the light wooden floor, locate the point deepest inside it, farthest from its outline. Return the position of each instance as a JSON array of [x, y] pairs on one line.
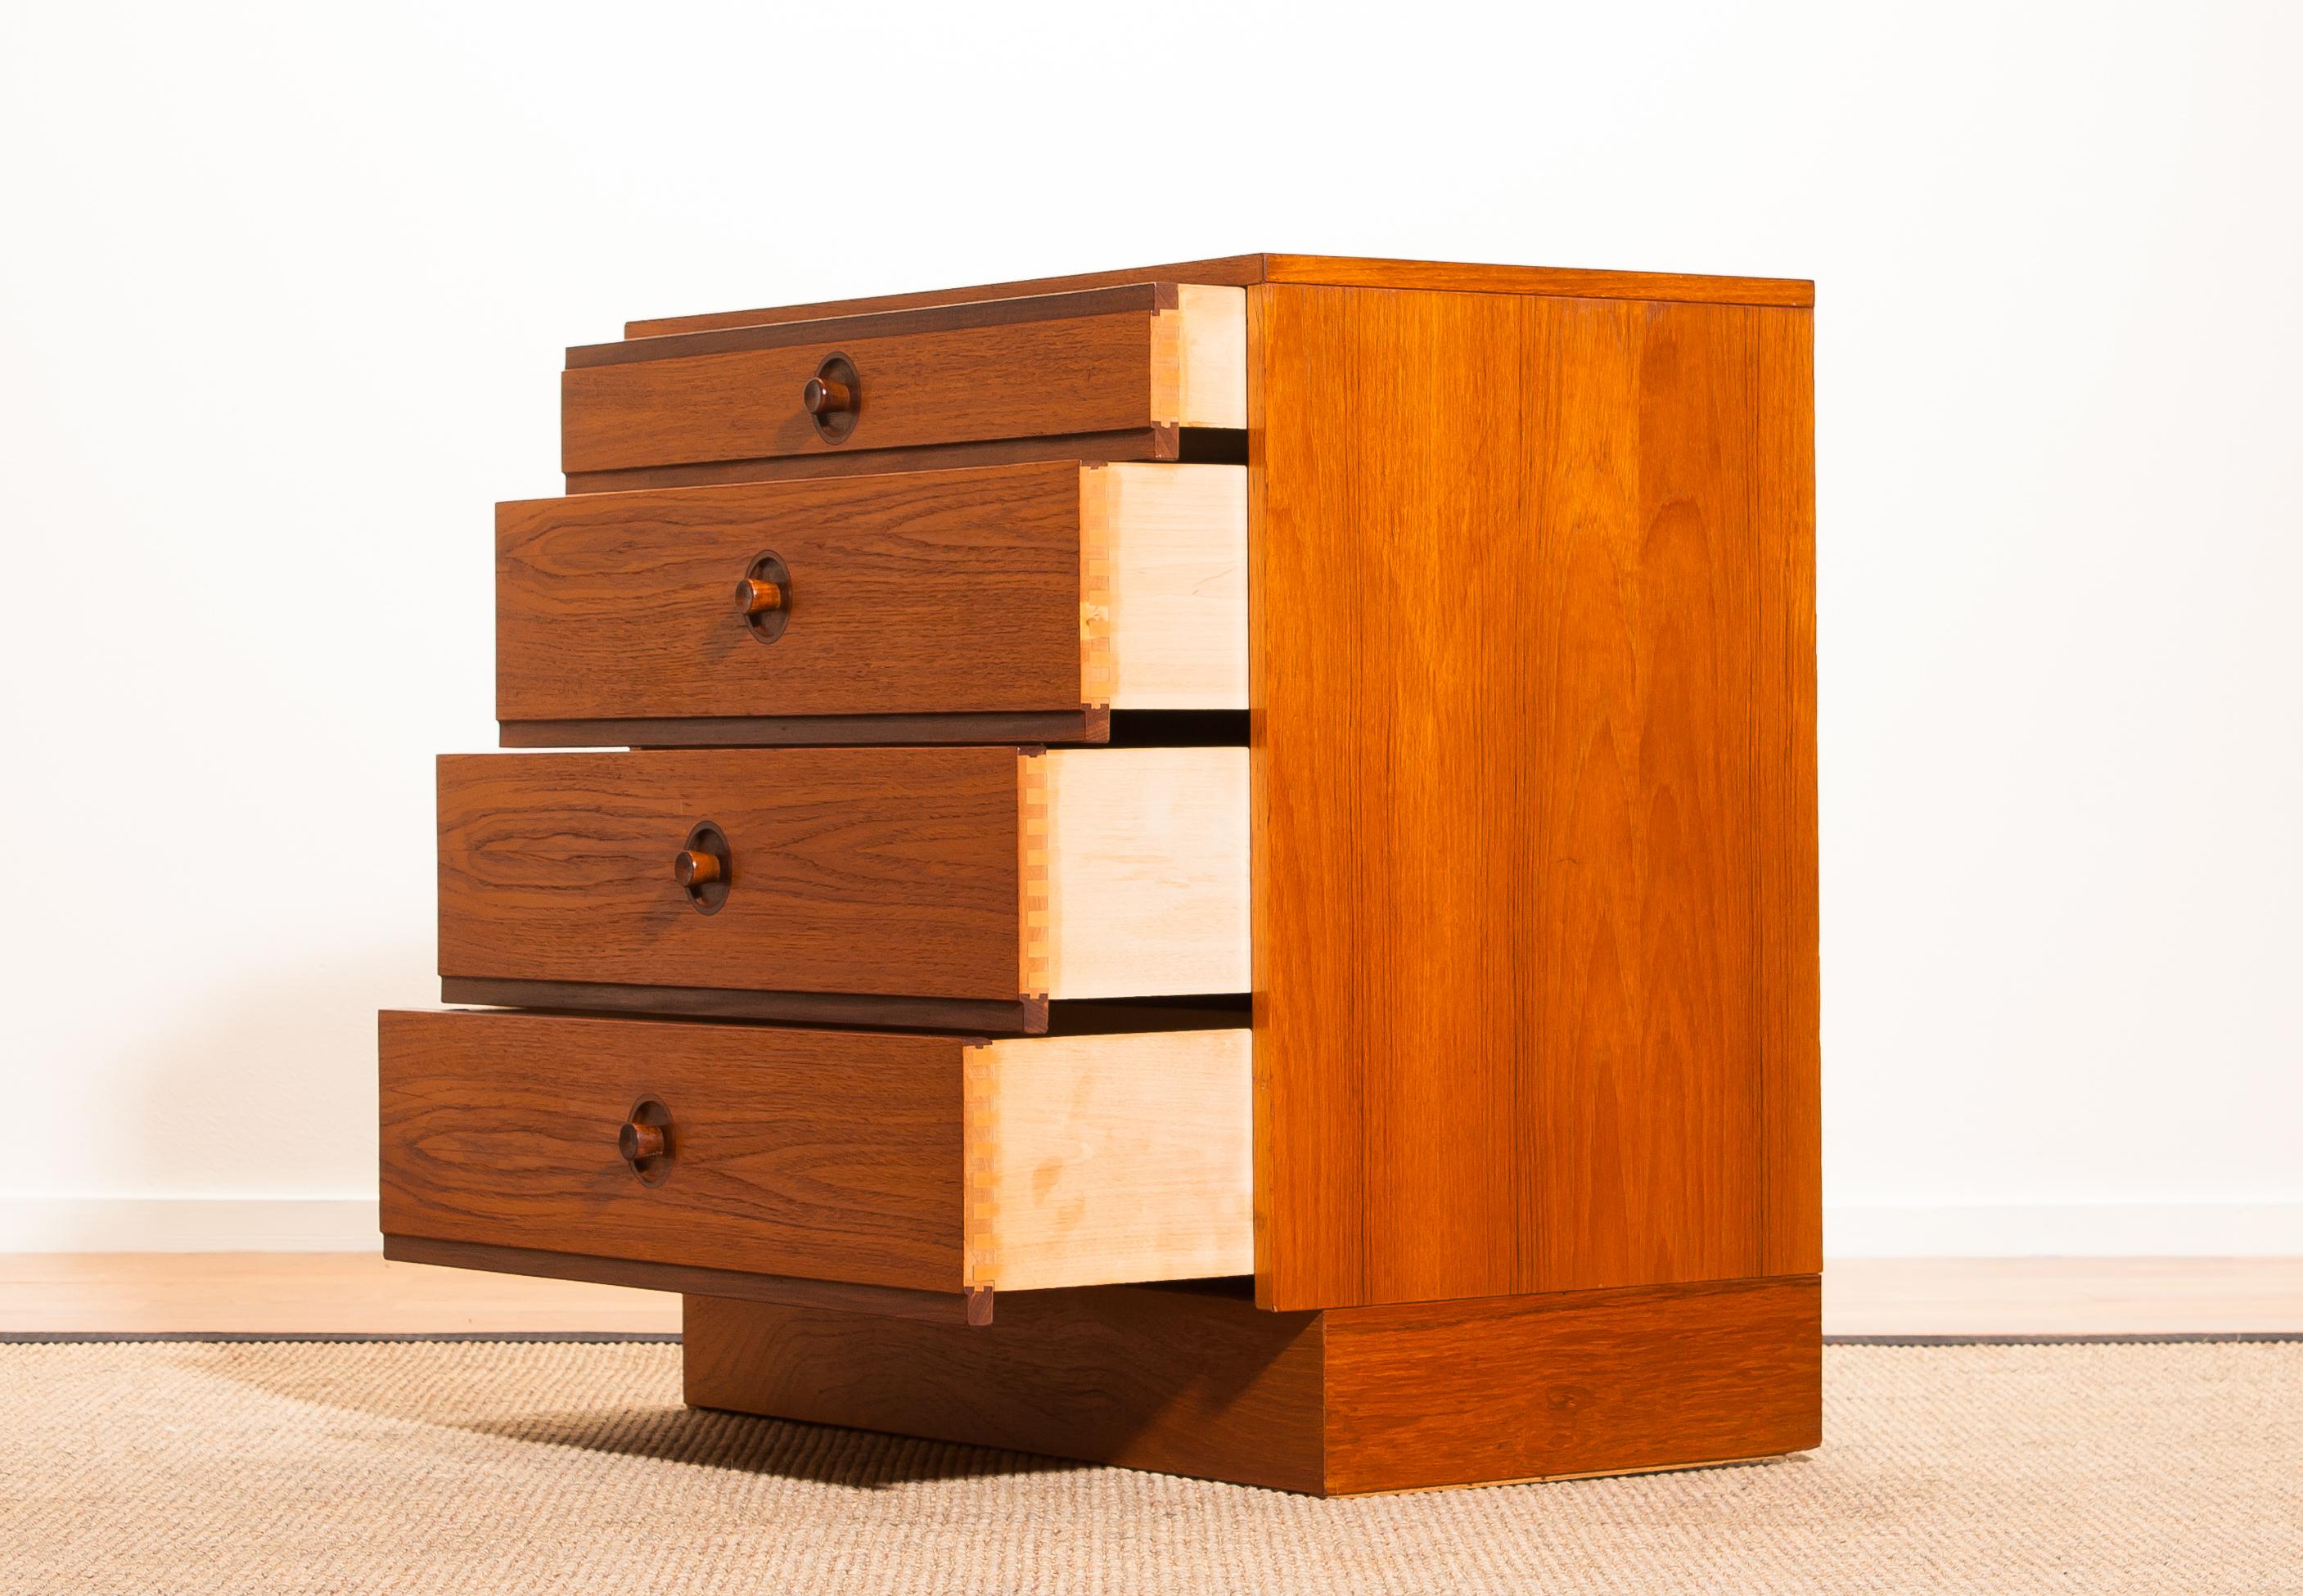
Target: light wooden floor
[[356, 1293]]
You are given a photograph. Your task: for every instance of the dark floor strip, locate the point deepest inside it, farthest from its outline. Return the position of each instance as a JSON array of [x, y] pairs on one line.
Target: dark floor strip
[[606, 1337], [2141, 1339], [613, 1337]]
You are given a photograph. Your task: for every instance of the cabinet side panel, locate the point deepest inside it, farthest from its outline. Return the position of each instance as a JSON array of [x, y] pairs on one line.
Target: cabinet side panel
[[1524, 771], [1790, 919]]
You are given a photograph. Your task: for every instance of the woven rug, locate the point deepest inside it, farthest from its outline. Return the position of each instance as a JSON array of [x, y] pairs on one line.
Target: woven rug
[[471, 1467]]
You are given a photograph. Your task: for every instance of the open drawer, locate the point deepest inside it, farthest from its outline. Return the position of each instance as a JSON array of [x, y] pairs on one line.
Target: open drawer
[[1016, 603], [948, 888], [884, 1172]]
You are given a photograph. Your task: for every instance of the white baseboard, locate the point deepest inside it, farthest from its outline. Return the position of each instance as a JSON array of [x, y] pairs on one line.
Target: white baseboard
[[1859, 1230], [188, 1225], [2063, 1230]]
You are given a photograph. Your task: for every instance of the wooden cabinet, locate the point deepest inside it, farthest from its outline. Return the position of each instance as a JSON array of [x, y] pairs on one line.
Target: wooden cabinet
[[1212, 868]]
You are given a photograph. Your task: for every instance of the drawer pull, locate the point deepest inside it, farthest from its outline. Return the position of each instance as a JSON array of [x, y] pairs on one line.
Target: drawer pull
[[825, 396], [764, 598], [644, 1140], [833, 396], [754, 595], [703, 867]]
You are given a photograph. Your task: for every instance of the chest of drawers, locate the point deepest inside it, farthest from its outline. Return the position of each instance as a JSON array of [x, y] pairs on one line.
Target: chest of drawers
[[1211, 867]]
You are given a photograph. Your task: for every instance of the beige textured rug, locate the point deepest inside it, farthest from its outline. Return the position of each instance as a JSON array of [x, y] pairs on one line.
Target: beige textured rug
[[472, 1467]]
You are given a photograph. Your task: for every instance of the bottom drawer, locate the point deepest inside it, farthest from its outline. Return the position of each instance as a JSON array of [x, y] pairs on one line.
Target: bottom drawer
[[885, 1172]]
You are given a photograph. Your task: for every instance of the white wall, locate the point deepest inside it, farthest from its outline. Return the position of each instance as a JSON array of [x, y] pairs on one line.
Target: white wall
[[281, 300]]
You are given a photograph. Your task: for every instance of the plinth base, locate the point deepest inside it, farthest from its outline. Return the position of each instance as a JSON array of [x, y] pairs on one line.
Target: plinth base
[[1197, 1381]]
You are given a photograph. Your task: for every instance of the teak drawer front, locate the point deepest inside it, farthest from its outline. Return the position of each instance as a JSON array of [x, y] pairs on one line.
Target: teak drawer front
[[1009, 589], [1108, 361], [848, 884], [911, 1163]]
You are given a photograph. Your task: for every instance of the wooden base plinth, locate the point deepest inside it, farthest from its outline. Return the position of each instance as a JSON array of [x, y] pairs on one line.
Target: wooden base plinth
[[1407, 1396]]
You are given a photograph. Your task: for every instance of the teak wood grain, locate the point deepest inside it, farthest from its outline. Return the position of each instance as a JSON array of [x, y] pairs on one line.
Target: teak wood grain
[[1083, 725], [1443, 1393], [882, 1160], [1180, 1381], [1534, 915], [1133, 443], [890, 871], [1397, 1398], [821, 1153], [1014, 590], [1323, 270], [912, 593], [1108, 361], [980, 875], [969, 1307]]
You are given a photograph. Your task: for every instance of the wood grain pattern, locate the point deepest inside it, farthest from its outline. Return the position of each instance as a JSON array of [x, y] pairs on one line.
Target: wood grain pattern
[[885, 872], [913, 1162], [1083, 725], [1328, 270], [914, 593], [969, 1307], [1396, 1397], [1791, 1092], [1113, 1159], [1440, 276], [1453, 1393], [850, 326], [1147, 879], [1027, 1015], [1199, 358], [1065, 364], [1174, 539], [1128, 443], [1237, 270], [821, 1153], [1182, 1382], [878, 872], [1530, 988]]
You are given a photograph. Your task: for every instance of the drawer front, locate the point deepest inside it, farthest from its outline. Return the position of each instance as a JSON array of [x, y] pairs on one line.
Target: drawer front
[[1060, 365], [843, 884], [1005, 590], [814, 1154], [912, 1163]]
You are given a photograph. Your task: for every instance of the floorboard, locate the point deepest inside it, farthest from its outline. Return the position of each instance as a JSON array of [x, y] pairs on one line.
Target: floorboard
[[358, 1293]]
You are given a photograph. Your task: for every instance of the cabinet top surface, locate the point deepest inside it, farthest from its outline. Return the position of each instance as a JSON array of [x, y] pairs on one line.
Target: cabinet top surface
[[1312, 270]]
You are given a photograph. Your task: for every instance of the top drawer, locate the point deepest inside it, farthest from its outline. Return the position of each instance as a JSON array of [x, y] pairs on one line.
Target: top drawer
[[1057, 365]]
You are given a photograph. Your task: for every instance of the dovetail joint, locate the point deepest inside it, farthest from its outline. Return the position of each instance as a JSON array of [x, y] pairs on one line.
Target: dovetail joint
[[980, 1203], [1032, 873]]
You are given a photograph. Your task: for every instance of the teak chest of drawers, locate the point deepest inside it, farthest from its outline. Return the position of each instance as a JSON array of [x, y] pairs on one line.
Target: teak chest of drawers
[[1212, 868]]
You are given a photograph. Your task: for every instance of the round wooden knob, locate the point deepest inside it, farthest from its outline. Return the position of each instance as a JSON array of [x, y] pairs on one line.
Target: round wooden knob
[[755, 596], [636, 1141], [692, 869], [833, 396], [827, 396]]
